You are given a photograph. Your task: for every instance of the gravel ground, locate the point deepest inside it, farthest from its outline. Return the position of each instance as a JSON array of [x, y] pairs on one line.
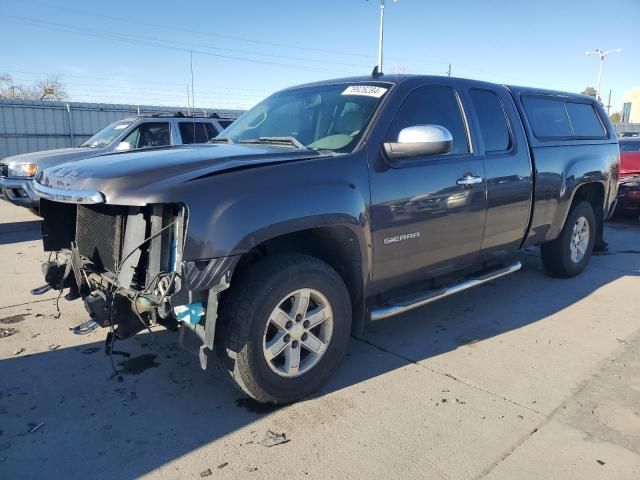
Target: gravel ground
[[526, 377]]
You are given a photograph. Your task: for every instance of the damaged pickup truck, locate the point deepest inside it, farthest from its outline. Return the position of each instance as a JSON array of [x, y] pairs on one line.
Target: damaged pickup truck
[[325, 207]]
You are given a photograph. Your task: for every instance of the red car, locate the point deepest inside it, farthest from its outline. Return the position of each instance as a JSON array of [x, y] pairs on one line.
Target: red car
[[629, 189]]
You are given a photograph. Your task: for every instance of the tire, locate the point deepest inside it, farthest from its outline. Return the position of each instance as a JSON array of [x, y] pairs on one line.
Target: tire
[[246, 329], [558, 258]]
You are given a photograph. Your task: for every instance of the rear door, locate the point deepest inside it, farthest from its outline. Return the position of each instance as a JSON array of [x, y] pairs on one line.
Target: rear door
[[428, 214], [508, 169]]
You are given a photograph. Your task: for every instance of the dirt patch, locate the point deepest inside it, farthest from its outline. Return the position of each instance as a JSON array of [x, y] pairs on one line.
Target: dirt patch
[[13, 319]]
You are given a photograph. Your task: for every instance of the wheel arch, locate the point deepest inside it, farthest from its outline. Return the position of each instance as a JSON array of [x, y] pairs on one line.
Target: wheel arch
[[336, 245]]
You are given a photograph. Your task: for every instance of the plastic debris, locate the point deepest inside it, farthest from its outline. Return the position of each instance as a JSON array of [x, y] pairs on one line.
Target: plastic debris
[[33, 429], [271, 439], [7, 332]]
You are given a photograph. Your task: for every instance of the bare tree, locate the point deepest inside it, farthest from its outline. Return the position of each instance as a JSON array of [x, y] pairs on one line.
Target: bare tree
[[590, 91], [51, 88]]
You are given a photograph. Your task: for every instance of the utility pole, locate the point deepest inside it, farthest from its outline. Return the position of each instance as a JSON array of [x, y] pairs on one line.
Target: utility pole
[[449, 71], [602, 54], [381, 36], [609, 103]]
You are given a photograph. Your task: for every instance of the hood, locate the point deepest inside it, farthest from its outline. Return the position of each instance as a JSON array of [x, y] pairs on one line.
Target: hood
[[142, 173], [48, 158], [629, 163]]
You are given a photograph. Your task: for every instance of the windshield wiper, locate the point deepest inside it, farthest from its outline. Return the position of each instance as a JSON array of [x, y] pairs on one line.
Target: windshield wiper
[[221, 140], [282, 141]]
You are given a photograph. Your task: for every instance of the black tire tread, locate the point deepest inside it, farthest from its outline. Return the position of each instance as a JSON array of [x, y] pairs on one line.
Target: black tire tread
[[238, 305], [555, 253]]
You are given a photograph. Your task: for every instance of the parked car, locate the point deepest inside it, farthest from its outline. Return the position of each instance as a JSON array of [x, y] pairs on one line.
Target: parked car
[[323, 208], [629, 188], [629, 157], [629, 196], [147, 131]]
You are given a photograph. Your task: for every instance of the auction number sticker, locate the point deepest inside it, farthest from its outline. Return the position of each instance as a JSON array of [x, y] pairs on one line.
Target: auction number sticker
[[365, 90]]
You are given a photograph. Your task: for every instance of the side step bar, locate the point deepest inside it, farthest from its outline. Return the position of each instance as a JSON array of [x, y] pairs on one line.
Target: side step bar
[[399, 306]]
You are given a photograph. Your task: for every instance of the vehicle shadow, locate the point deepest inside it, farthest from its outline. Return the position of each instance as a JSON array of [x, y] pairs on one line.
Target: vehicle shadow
[[17, 232], [165, 407]]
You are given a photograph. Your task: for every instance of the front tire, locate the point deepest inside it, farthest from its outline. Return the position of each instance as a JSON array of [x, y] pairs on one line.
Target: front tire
[[568, 255], [284, 328]]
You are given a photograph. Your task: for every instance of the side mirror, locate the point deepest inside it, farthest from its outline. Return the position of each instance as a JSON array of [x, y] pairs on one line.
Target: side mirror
[[123, 146], [419, 141]]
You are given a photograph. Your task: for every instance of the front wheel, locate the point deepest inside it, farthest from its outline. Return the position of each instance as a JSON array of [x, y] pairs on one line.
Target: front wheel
[[285, 329], [568, 255]]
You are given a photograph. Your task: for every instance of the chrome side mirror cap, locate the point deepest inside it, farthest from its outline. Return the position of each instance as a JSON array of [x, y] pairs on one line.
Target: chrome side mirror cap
[[419, 141], [123, 147]]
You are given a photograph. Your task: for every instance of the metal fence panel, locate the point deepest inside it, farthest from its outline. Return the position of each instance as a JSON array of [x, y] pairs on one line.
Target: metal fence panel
[[627, 127], [30, 125]]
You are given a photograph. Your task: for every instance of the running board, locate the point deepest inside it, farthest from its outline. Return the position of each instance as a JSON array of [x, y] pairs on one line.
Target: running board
[[398, 306]]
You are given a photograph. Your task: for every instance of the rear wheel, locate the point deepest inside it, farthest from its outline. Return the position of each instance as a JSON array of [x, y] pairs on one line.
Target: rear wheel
[[285, 329], [568, 255]]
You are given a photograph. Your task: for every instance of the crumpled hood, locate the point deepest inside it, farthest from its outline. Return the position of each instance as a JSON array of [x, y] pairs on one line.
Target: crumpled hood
[[49, 158], [143, 173]]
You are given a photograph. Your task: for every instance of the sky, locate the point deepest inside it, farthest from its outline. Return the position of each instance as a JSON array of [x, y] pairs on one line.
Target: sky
[[140, 52]]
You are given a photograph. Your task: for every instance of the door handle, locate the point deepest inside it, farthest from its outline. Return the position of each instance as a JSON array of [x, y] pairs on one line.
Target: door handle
[[469, 180]]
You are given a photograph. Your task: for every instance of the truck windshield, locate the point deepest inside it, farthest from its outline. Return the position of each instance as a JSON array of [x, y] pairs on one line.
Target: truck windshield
[[107, 135], [326, 117]]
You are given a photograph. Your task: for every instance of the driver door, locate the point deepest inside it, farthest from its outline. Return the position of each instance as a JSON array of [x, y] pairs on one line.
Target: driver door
[[428, 212]]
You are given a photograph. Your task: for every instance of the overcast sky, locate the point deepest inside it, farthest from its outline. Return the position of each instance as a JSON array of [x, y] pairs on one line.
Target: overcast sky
[[139, 52]]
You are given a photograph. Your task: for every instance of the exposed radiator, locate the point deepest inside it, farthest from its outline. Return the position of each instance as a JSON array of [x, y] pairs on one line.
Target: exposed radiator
[[99, 234]]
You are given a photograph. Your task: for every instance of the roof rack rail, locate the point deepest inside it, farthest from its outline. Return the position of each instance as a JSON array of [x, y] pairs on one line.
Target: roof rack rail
[[203, 114]]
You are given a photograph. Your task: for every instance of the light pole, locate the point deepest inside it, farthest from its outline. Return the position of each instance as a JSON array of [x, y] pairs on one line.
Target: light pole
[[602, 54], [381, 36]]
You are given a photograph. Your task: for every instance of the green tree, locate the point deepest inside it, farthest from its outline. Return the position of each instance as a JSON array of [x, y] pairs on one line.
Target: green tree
[[615, 117]]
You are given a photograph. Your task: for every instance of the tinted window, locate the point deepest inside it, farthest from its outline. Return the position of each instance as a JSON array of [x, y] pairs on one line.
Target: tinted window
[[149, 135], [225, 123], [584, 120], [493, 123], [547, 116], [196, 132], [432, 105], [211, 131]]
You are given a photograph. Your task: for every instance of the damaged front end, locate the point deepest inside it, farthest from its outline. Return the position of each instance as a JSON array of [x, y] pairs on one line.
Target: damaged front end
[[126, 264]]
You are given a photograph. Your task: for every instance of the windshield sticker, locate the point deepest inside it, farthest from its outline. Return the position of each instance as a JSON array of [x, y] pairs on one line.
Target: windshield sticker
[[365, 90]]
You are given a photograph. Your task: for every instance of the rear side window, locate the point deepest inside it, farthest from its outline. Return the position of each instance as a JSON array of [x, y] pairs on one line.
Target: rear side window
[[225, 123], [211, 131], [584, 120], [432, 105], [548, 117], [555, 118], [196, 132], [493, 122]]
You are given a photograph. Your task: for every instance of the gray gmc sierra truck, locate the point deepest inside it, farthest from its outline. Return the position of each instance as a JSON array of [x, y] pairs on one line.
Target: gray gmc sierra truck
[[325, 207]]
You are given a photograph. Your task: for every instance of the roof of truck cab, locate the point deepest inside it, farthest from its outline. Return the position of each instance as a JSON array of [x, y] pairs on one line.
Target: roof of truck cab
[[400, 78]]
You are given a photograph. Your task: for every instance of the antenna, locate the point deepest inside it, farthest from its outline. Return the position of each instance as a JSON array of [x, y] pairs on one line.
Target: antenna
[[188, 109], [193, 96]]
